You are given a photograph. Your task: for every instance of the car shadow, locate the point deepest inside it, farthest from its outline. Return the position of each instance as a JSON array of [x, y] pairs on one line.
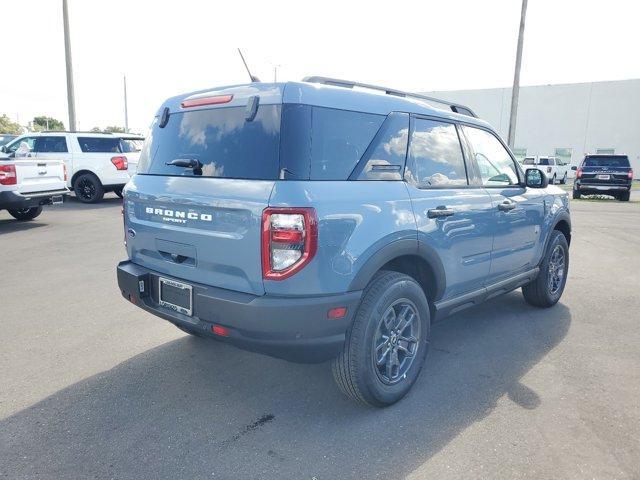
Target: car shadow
[[109, 200], [194, 408], [10, 225]]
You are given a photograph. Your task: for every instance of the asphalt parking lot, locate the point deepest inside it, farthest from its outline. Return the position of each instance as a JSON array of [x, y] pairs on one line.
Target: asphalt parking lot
[[92, 387]]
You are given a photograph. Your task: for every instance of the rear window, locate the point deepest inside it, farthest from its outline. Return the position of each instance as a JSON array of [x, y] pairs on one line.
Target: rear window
[[99, 144], [544, 161], [222, 140], [528, 161], [608, 161], [130, 145]]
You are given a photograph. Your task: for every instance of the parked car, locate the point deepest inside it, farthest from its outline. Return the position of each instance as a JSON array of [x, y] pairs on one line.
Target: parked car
[[6, 138], [26, 184], [604, 175], [96, 162], [313, 222], [554, 167]]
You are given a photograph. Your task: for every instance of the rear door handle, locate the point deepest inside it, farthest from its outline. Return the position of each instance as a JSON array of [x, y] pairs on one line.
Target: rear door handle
[[506, 206], [440, 212]]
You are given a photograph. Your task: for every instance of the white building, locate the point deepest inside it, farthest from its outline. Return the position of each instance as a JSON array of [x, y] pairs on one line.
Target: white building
[[565, 120]]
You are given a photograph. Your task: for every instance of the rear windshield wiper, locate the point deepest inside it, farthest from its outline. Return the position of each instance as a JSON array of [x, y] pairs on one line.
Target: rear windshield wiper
[[192, 163]]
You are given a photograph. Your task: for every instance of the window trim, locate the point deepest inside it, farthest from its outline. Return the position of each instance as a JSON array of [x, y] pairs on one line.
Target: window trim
[[418, 116], [519, 171]]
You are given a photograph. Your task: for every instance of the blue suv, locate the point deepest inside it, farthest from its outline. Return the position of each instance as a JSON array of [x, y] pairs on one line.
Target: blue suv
[[330, 220]]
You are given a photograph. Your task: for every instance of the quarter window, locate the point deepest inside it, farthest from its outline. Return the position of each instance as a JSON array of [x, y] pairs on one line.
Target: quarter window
[[385, 156], [495, 165], [435, 156]]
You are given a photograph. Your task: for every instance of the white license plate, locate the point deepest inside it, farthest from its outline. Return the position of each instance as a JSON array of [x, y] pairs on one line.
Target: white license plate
[[177, 296], [604, 177]]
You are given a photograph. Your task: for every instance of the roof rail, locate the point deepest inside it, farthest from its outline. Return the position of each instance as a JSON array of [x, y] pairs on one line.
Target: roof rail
[[455, 107]]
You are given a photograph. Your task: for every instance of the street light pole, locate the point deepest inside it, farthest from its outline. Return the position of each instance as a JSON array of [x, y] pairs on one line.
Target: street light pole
[[515, 91], [67, 51], [126, 112]]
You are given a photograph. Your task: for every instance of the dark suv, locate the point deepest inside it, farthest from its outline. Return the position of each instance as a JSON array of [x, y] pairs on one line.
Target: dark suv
[[604, 175]]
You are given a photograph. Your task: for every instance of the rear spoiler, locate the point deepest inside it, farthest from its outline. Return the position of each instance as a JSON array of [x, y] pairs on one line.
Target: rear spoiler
[[455, 107]]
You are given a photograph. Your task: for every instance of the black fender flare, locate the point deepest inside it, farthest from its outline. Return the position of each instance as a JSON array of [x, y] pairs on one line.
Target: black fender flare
[[399, 248]]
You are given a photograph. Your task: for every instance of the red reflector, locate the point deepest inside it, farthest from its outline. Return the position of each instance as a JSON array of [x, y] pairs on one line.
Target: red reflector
[[120, 163], [335, 313], [199, 102], [218, 330], [286, 236]]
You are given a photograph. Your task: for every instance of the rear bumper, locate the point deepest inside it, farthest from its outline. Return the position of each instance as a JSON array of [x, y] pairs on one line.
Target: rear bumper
[[586, 187], [16, 201], [292, 328]]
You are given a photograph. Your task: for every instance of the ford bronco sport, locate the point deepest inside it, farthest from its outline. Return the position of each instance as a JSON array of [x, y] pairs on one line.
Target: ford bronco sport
[[314, 221]]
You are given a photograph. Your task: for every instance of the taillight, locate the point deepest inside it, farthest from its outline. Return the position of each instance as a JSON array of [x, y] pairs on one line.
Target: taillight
[[579, 173], [201, 101], [64, 169], [120, 163], [630, 174], [289, 240], [8, 175]]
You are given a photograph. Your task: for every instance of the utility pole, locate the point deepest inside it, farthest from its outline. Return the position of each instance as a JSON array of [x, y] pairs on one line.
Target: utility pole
[[515, 91], [126, 113], [275, 73], [67, 51]]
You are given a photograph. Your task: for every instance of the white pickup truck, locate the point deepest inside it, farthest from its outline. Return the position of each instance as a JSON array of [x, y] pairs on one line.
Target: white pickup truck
[[26, 184], [554, 167]]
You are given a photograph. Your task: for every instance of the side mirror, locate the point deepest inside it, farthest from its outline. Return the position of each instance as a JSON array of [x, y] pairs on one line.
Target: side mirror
[[574, 168], [3, 149], [535, 178]]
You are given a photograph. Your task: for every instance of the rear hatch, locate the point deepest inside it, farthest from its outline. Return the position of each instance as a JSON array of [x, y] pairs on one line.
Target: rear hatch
[[606, 170], [202, 223], [35, 175]]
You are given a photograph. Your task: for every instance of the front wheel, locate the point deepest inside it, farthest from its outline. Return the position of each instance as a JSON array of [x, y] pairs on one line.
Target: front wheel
[[547, 288], [25, 214], [88, 188], [564, 179], [554, 180], [387, 343]]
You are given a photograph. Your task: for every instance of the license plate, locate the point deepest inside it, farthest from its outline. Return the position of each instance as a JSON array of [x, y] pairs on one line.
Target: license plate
[[57, 199], [604, 177], [177, 296]]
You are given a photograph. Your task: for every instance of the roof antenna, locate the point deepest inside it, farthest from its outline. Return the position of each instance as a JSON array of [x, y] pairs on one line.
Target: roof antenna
[[253, 79]]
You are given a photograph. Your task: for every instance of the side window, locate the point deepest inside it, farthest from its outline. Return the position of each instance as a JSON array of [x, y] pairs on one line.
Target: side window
[[386, 155], [339, 138], [15, 145], [99, 144], [50, 145], [435, 156], [495, 165]]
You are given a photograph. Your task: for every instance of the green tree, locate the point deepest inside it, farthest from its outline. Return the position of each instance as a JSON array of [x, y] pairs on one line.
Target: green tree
[[114, 129], [46, 123], [7, 126]]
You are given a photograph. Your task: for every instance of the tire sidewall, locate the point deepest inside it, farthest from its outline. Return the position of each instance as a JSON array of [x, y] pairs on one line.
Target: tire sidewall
[[403, 287], [557, 239]]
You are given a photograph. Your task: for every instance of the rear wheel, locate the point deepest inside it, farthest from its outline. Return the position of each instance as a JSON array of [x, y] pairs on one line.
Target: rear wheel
[[118, 191], [547, 288], [576, 194], [25, 214], [624, 196], [88, 188], [387, 343]]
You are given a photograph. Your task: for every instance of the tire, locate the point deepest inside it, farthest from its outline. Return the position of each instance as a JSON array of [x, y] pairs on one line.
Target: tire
[[88, 188], [547, 288], [576, 194], [395, 297], [554, 180], [118, 191], [624, 196], [564, 179], [26, 214]]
